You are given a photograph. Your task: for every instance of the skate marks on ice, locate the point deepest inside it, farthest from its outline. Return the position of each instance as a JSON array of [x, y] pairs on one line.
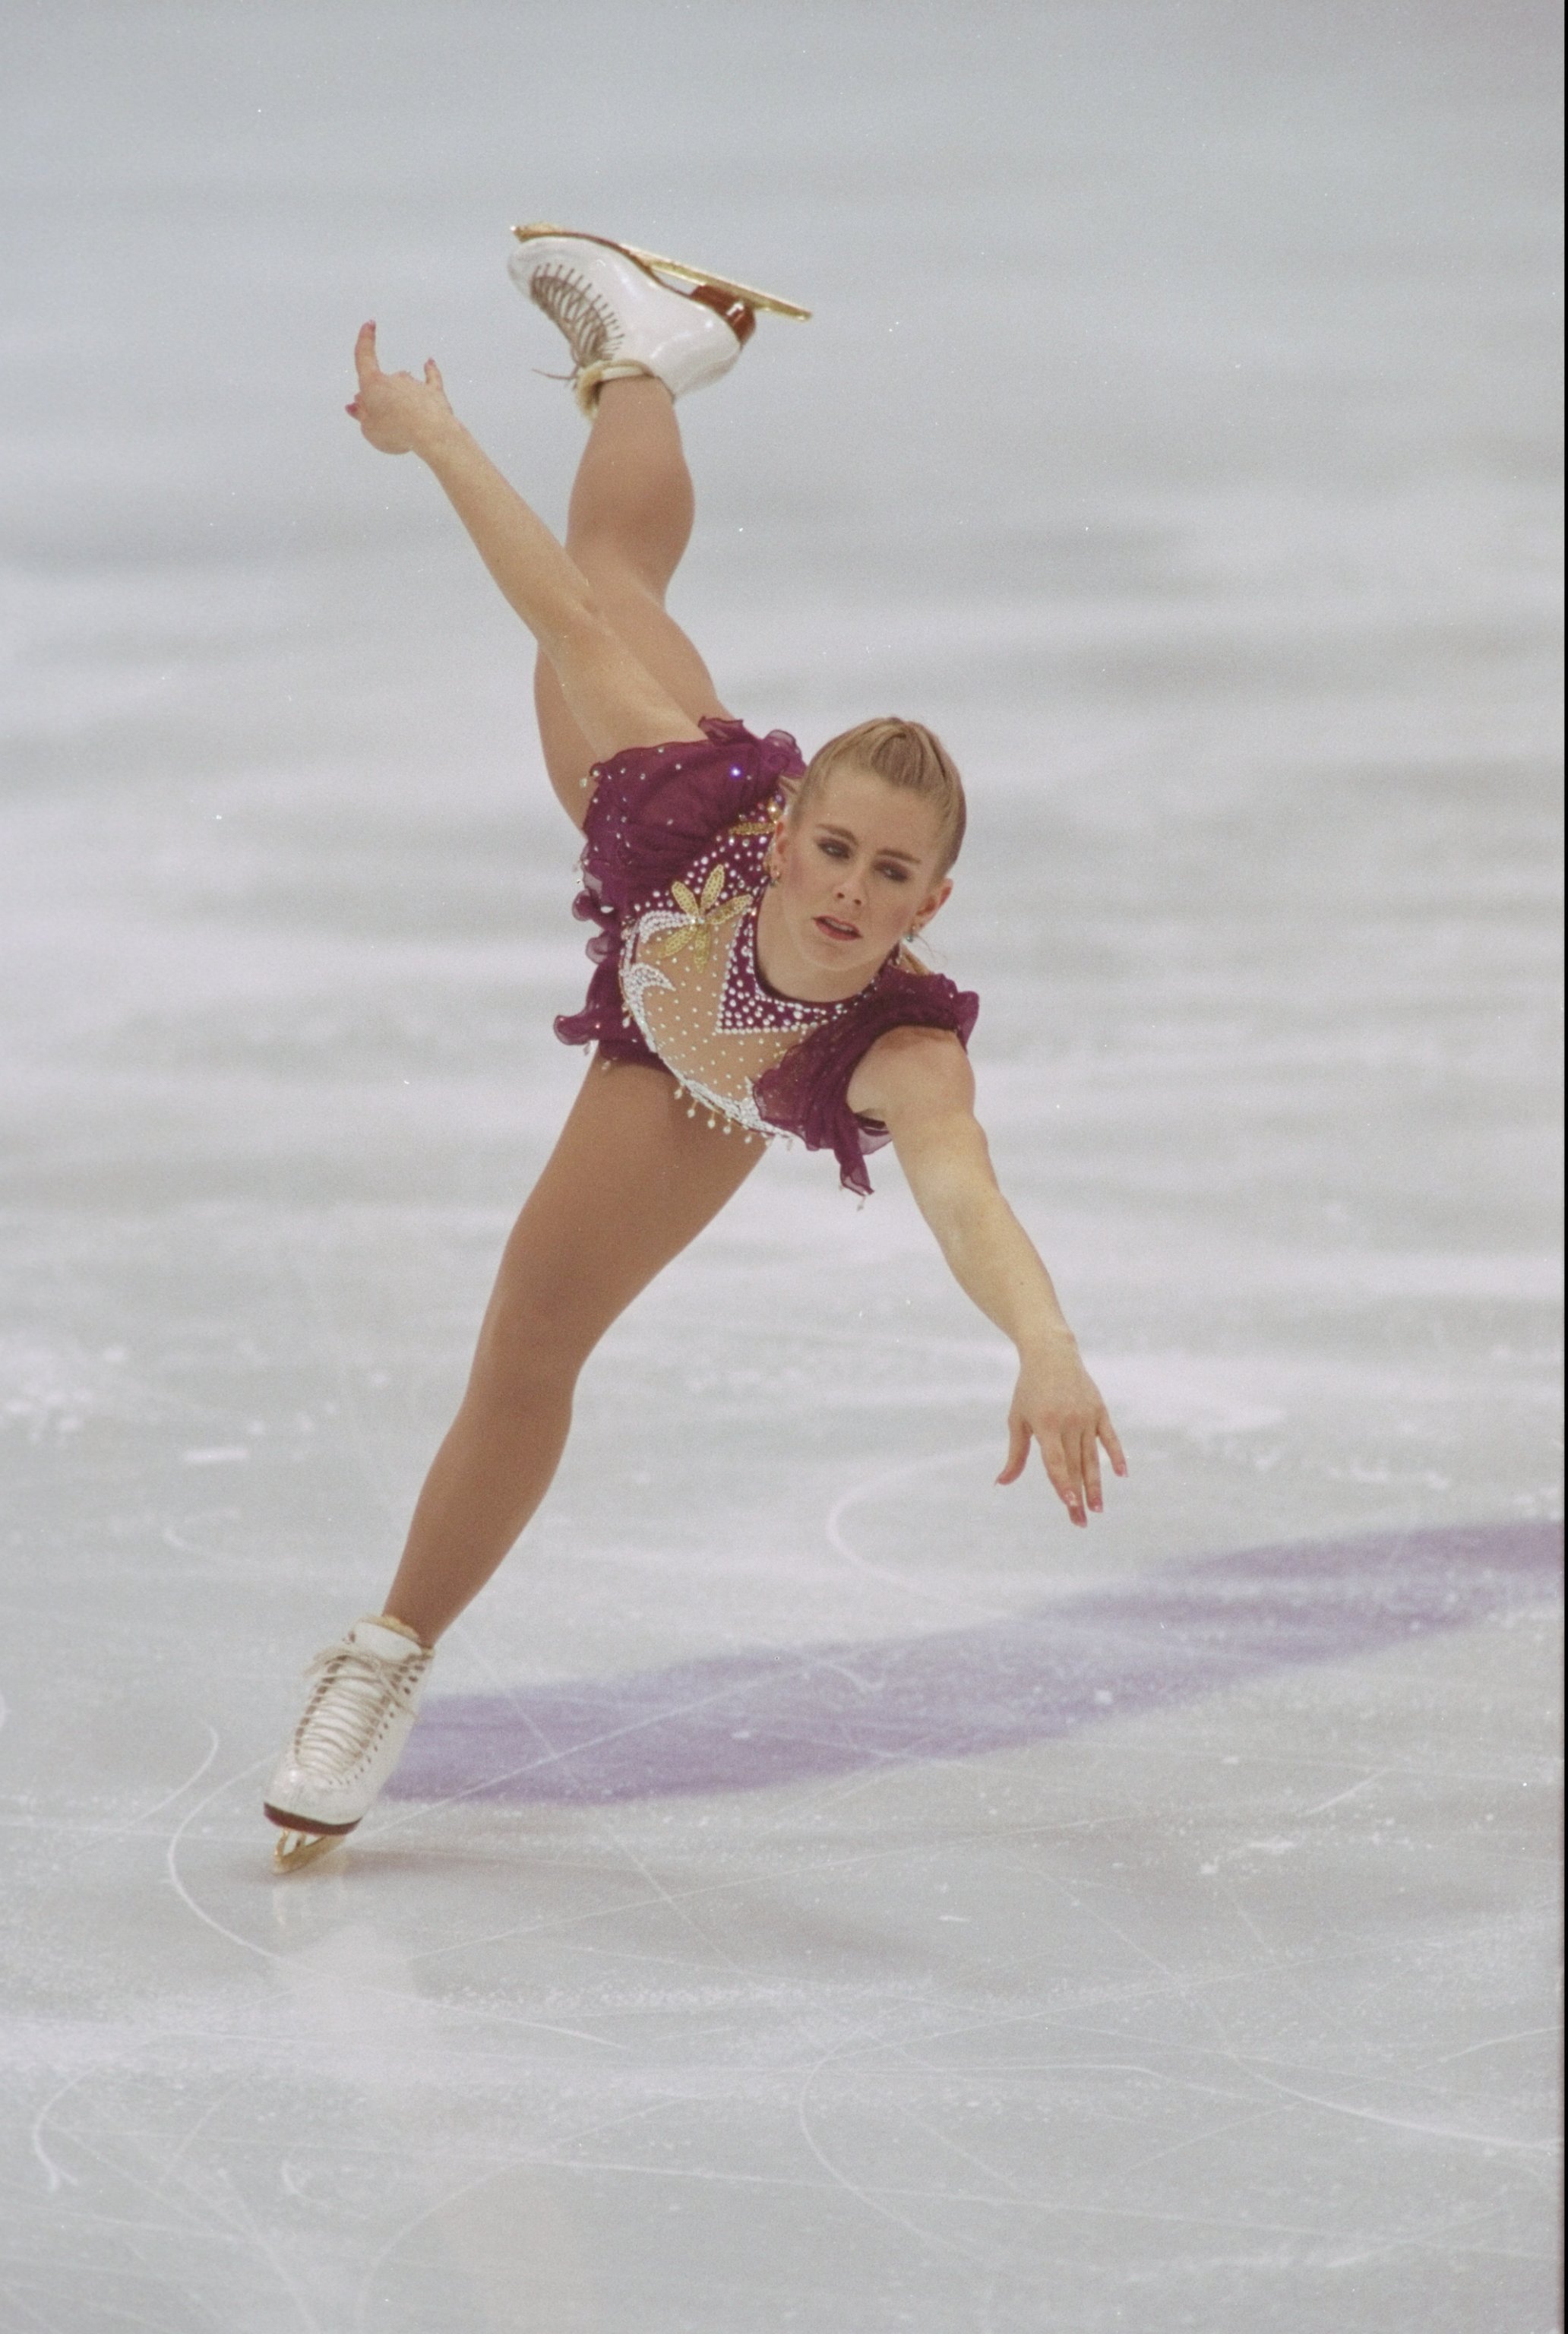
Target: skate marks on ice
[[747, 1722], [874, 1487]]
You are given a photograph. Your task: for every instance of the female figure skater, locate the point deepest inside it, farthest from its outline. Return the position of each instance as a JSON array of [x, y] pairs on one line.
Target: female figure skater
[[752, 975]]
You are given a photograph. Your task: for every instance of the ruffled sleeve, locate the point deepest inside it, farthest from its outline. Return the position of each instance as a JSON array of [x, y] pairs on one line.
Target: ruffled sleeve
[[807, 1093], [655, 809]]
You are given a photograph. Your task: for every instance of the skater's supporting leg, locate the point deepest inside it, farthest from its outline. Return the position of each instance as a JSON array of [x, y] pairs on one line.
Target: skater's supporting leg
[[630, 1183], [629, 522]]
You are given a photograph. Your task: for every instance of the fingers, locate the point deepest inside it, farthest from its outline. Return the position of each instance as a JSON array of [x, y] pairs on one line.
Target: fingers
[[1089, 1472], [1066, 1476], [1069, 1425], [365, 360], [1106, 1433], [433, 376], [1070, 1455], [1017, 1450]]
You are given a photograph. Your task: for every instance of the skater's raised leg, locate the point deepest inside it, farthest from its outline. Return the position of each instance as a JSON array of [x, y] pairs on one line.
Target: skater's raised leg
[[627, 525]]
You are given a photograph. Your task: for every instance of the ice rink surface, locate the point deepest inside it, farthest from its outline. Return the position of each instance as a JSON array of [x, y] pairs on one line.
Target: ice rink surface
[[826, 1895]]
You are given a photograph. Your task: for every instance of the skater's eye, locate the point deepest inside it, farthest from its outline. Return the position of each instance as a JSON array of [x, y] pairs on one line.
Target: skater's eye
[[831, 847]]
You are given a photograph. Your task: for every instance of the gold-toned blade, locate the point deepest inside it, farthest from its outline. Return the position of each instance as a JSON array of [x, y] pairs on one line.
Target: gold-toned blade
[[294, 1850], [656, 263]]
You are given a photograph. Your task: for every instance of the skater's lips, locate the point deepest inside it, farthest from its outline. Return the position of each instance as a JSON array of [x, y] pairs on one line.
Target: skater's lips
[[836, 930]]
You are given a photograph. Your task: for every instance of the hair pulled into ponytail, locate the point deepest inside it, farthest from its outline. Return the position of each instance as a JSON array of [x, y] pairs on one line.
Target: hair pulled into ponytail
[[902, 754]]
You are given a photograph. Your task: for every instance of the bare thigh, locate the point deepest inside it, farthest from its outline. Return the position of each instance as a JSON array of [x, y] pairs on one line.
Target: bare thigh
[[652, 634], [631, 1181]]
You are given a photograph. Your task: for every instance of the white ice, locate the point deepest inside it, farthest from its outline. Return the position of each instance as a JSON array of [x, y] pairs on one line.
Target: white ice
[[903, 1913]]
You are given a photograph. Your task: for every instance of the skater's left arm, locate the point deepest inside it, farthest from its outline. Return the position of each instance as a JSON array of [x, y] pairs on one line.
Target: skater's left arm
[[919, 1085]]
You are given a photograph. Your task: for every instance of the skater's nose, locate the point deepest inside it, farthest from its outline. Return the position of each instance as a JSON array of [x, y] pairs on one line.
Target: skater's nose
[[850, 885]]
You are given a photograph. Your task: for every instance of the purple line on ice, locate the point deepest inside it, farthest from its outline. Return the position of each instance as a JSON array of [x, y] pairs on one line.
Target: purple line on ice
[[742, 1722]]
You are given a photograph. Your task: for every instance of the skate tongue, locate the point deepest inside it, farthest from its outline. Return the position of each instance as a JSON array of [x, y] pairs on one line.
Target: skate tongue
[[385, 1638]]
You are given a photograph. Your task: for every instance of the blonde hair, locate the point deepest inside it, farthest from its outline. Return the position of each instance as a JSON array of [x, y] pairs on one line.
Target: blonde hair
[[902, 754]]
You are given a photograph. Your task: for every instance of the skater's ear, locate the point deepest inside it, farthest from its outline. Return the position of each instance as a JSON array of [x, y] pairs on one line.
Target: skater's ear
[[935, 900]]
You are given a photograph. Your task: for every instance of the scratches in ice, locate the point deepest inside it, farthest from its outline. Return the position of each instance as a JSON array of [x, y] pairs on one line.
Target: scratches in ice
[[482, 2013], [875, 1486]]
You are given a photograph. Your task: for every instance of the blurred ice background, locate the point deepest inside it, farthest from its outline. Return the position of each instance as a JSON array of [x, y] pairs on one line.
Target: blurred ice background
[[1176, 432]]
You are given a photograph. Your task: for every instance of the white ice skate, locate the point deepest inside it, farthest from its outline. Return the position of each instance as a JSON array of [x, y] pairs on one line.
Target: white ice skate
[[364, 1701], [620, 316]]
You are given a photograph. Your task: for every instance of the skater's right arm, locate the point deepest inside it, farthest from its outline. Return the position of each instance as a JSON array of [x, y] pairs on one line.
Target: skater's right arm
[[614, 700]]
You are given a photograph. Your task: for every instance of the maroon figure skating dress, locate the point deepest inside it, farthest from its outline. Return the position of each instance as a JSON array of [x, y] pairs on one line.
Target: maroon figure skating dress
[[674, 869]]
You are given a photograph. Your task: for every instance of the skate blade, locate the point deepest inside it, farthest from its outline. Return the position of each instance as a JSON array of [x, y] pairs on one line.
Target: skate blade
[[655, 264], [293, 1850]]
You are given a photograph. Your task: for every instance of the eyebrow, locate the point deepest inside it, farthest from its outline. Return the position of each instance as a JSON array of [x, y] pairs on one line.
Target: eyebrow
[[848, 834]]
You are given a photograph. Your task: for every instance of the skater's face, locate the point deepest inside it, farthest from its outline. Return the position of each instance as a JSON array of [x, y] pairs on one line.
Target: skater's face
[[858, 871]]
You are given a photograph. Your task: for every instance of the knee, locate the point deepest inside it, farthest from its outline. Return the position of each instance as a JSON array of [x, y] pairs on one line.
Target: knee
[[526, 1359]]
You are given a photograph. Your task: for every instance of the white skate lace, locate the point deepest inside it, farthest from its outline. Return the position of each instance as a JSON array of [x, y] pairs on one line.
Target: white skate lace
[[352, 1701], [585, 319]]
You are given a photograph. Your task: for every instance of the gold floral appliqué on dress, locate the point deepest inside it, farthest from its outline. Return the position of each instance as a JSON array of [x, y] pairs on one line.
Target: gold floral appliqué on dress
[[704, 917]]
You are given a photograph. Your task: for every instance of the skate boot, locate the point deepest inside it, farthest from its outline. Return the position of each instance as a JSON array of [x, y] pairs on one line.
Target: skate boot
[[361, 1706], [621, 318]]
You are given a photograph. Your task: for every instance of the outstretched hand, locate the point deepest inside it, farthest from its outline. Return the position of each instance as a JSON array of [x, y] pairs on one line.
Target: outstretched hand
[[395, 411], [1057, 1405]]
